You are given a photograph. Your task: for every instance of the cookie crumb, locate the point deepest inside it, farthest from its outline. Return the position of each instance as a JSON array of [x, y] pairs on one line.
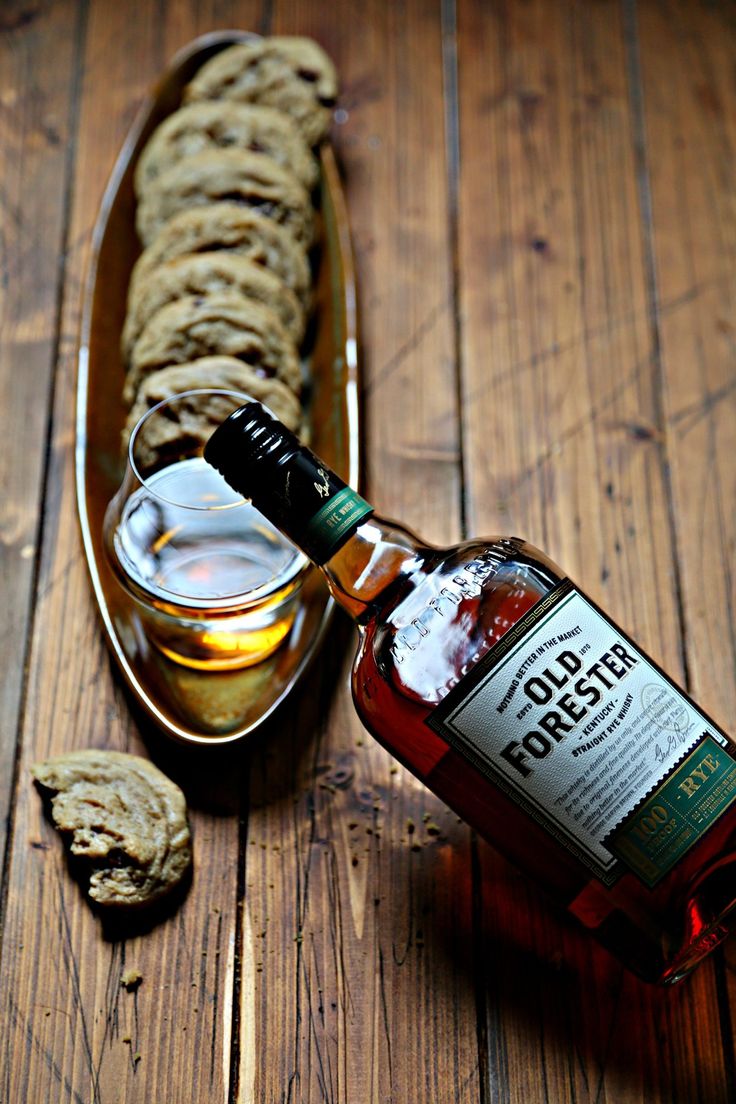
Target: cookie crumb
[[131, 979]]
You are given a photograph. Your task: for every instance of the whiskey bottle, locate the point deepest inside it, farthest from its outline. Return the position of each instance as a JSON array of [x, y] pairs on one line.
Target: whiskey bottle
[[496, 681]]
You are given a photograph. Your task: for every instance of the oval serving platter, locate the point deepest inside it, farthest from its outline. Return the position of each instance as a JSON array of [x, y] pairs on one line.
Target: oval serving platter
[[196, 706]]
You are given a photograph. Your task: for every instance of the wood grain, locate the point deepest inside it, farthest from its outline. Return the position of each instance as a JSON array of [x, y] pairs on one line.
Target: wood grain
[[688, 140], [570, 278], [353, 910], [38, 51], [61, 967], [565, 444], [689, 135]]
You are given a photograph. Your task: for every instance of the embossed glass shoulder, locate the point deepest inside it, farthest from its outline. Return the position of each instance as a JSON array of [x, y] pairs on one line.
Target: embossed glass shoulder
[[487, 673]]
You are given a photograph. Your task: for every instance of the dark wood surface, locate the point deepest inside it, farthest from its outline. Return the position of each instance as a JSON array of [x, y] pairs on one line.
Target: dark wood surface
[[542, 203]]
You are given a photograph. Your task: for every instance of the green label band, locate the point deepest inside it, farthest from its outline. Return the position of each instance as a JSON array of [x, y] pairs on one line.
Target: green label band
[[334, 521], [678, 813]]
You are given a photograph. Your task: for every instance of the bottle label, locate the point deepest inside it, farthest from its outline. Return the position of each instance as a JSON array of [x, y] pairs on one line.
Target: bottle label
[[334, 521], [591, 738]]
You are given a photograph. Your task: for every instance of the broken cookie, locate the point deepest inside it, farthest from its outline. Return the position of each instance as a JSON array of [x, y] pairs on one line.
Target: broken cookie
[[125, 817]]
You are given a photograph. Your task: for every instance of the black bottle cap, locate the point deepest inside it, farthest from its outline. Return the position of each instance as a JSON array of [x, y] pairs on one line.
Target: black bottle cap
[[262, 460], [247, 445]]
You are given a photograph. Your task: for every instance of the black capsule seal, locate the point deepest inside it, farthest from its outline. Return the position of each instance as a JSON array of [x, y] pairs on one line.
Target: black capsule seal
[[265, 462]]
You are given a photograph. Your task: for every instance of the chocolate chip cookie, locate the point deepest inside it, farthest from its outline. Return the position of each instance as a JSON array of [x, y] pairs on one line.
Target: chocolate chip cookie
[[212, 125], [229, 228], [196, 417], [207, 274], [221, 324], [292, 74], [250, 180], [125, 817]]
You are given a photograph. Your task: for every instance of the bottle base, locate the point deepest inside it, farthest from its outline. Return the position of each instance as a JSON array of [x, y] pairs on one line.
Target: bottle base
[[693, 954]]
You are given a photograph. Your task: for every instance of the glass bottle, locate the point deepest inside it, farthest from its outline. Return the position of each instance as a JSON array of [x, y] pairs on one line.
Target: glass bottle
[[490, 676]]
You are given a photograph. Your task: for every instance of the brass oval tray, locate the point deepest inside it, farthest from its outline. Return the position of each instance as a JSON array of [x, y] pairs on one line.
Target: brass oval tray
[[204, 707]]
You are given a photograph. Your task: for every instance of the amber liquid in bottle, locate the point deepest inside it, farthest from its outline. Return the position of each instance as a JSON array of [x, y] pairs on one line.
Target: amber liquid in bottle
[[427, 618]]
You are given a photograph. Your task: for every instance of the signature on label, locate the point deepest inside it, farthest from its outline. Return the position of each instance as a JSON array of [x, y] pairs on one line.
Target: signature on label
[[674, 740]]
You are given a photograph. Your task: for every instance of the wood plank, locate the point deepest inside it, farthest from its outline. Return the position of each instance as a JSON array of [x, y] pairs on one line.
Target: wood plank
[[67, 1015], [690, 130], [353, 910], [358, 982], [564, 445], [37, 59]]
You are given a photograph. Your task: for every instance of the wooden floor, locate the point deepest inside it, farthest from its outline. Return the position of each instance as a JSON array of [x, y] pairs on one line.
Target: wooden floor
[[542, 200]]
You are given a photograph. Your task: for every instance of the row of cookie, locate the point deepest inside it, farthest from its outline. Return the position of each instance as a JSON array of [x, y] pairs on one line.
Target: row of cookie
[[225, 214], [203, 289]]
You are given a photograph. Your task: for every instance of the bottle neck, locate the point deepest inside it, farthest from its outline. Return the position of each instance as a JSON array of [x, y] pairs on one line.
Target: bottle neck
[[361, 555], [377, 555]]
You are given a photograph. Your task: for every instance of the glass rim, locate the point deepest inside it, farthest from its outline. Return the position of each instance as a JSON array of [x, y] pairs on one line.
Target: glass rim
[[145, 480], [291, 572]]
